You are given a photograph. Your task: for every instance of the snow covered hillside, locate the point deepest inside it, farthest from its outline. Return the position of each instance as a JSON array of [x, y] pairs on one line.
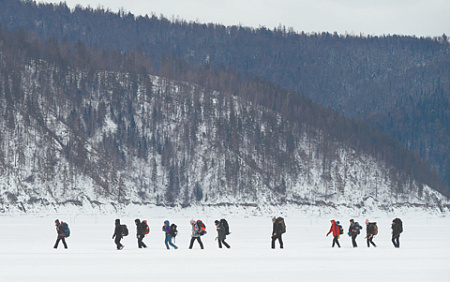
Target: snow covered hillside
[[103, 140]]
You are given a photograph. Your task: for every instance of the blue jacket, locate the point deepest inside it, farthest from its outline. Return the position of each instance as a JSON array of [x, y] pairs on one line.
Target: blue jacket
[[166, 227]]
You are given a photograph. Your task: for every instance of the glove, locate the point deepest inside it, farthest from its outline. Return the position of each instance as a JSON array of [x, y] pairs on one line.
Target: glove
[[328, 234]]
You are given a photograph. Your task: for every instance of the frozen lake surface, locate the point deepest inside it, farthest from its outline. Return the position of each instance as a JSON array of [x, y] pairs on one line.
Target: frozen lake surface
[[27, 250]]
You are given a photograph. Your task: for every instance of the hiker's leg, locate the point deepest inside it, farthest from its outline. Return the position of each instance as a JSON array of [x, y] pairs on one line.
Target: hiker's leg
[[273, 241], [280, 240], [192, 242], [337, 241], [220, 243], [166, 242], [226, 244], [64, 243], [59, 239], [200, 242], [354, 241], [117, 241], [170, 242]]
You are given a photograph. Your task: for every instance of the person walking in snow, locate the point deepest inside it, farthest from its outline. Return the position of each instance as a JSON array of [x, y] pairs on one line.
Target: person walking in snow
[[117, 236], [140, 233], [61, 235], [277, 231], [221, 235], [370, 230], [335, 230], [168, 232], [195, 234], [397, 228], [353, 231]]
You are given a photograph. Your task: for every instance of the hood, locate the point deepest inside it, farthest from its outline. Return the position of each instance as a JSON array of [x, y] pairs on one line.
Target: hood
[[167, 223]]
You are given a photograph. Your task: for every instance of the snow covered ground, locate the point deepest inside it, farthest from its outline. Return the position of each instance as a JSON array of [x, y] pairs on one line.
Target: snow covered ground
[[27, 252]]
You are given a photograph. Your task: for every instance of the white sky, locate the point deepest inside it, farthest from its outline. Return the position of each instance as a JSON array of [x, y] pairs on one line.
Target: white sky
[[369, 17]]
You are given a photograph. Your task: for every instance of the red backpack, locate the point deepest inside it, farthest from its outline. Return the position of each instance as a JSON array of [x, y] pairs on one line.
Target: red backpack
[[145, 227], [201, 227]]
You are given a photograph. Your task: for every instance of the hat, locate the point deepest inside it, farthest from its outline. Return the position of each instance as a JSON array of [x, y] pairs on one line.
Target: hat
[[274, 218], [57, 221], [351, 220], [217, 222], [117, 221]]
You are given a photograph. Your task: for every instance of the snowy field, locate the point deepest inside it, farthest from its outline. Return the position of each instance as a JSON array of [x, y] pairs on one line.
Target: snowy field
[[27, 252]]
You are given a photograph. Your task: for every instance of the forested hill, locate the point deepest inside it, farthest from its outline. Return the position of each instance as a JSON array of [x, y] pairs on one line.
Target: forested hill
[[87, 127], [399, 84]]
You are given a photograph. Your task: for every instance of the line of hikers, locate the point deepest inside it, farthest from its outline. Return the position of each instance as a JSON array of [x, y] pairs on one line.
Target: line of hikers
[[170, 230], [371, 230], [223, 229]]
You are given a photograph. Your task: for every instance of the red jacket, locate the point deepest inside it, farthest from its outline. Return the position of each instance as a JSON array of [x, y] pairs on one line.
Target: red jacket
[[334, 228]]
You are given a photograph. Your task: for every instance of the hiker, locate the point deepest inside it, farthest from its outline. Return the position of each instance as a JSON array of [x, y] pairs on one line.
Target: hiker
[[117, 236], [335, 230], [397, 228], [371, 230], [353, 231], [196, 233], [169, 234], [277, 231], [61, 234], [140, 233], [221, 234]]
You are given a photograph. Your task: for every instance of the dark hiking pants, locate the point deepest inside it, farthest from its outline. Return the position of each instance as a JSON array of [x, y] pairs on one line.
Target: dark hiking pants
[[140, 243], [354, 241], [118, 244], [336, 241], [396, 241], [192, 242], [280, 240], [369, 241], [60, 239], [224, 243]]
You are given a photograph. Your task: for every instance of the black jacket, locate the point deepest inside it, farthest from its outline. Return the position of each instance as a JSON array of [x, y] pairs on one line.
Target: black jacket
[[221, 232], [117, 231], [396, 229], [140, 231], [277, 229]]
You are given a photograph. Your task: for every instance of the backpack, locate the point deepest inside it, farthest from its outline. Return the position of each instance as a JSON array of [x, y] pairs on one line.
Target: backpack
[[341, 230], [374, 227], [124, 230], [145, 227], [66, 229], [280, 221], [201, 227], [399, 224], [356, 229], [173, 230], [225, 225]]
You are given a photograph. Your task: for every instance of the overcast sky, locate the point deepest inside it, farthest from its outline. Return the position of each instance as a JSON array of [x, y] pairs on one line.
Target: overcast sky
[[369, 17]]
